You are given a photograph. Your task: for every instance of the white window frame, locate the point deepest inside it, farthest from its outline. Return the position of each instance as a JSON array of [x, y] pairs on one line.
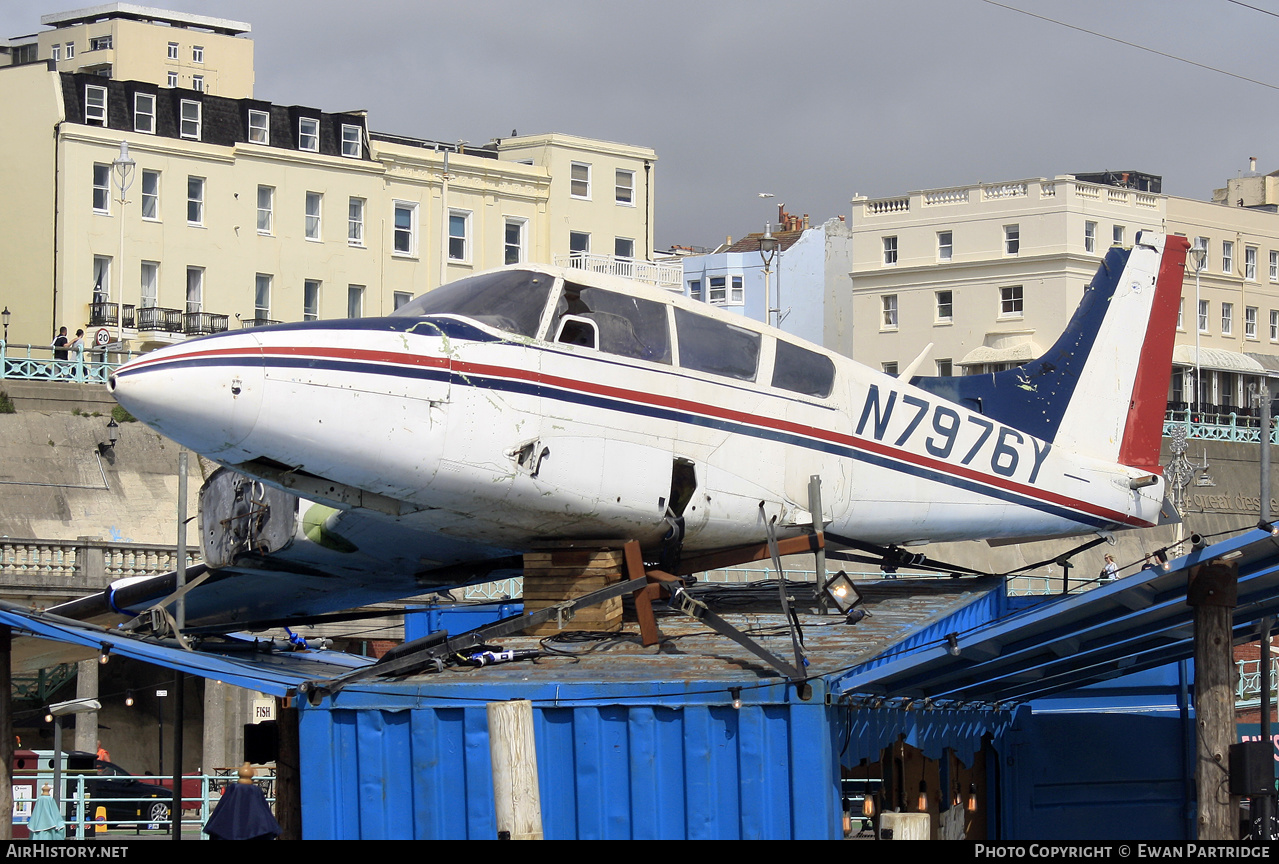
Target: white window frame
[[172, 79], [150, 195], [624, 188], [586, 235], [889, 368], [149, 299], [197, 83], [102, 286], [888, 312], [144, 117], [717, 290], [355, 221], [695, 289], [465, 257], [355, 301], [945, 246], [1227, 319], [736, 290], [1274, 265], [943, 312], [1250, 263], [1090, 236], [1250, 322], [190, 113], [262, 286], [266, 210], [102, 188], [889, 245], [195, 198], [1012, 239], [514, 253], [171, 51], [1274, 325], [1117, 235], [1012, 301], [55, 53], [945, 368], [400, 298], [1205, 312], [197, 53], [259, 127], [101, 43], [313, 215], [1181, 313], [95, 105], [195, 279], [311, 287], [352, 141], [311, 137], [575, 183], [407, 234], [70, 46], [617, 248], [1227, 256]]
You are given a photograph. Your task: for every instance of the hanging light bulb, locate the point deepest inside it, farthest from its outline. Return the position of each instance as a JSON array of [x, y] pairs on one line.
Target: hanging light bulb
[[104, 653], [923, 797], [737, 696], [868, 806], [972, 797], [128, 698]]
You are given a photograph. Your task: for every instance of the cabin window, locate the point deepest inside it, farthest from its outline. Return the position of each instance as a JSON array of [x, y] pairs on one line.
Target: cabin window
[[717, 347], [510, 300], [624, 325], [803, 371]]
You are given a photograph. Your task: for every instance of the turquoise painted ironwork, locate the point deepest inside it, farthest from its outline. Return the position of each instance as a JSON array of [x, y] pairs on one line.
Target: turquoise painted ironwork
[[1218, 427], [37, 363]]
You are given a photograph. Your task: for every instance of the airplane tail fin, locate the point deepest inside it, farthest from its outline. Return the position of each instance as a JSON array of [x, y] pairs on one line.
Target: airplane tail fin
[[1101, 389]]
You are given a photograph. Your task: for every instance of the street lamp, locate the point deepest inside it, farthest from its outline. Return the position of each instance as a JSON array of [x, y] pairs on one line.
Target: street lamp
[[5, 317], [767, 251], [122, 170], [1198, 260], [56, 712]]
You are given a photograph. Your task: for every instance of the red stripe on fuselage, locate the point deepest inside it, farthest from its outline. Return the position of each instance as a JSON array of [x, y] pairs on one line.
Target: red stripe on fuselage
[[1145, 425], [673, 403]]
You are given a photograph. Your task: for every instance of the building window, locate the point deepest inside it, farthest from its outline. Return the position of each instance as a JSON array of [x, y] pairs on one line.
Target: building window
[[459, 235], [1227, 256], [579, 243], [352, 141], [150, 194], [718, 290], [945, 369], [945, 245], [579, 184], [1090, 236], [101, 188], [314, 200], [101, 279], [197, 53], [144, 113], [172, 51], [1274, 325], [195, 200], [890, 250], [889, 368], [737, 294], [100, 43], [262, 297], [1181, 312], [190, 124], [195, 289], [1203, 316], [197, 83], [95, 105], [513, 242], [404, 241], [355, 301], [1116, 235], [266, 207], [1227, 318], [695, 289], [945, 306], [1274, 266], [310, 299], [625, 189], [888, 302], [355, 222], [1010, 301], [1250, 322], [259, 127], [399, 298], [1012, 239], [150, 282], [1250, 263], [172, 79], [70, 46], [309, 135], [623, 247], [55, 53]]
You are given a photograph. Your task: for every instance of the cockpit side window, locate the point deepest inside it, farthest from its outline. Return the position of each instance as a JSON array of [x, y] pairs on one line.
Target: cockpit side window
[[709, 345], [510, 300], [803, 371], [624, 325]]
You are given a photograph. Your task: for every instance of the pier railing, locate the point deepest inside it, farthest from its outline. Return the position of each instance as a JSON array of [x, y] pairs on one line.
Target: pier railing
[[38, 363]]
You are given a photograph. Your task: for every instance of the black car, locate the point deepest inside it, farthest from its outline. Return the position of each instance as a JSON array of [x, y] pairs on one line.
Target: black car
[[130, 801]]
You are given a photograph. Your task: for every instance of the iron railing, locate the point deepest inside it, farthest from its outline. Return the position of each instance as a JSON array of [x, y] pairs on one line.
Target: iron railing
[[157, 319], [668, 276], [1237, 426], [246, 323], [37, 363], [204, 323]]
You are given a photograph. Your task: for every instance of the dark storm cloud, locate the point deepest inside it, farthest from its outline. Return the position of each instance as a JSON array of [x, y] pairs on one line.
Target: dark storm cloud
[[812, 101]]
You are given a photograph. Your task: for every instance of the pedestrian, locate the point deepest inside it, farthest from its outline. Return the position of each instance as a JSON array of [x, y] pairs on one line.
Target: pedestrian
[[60, 344], [1110, 571]]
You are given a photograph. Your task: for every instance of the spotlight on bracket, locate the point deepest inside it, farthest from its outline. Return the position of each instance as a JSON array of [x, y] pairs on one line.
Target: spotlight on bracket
[[844, 595], [952, 644]]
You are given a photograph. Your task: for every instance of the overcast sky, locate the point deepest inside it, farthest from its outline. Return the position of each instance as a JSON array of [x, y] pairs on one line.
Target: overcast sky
[[811, 100]]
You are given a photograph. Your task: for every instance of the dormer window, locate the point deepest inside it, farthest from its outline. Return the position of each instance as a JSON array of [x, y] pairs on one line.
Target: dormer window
[[309, 134], [95, 105]]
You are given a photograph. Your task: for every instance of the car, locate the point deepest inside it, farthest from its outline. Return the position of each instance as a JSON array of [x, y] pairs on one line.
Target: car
[[130, 800]]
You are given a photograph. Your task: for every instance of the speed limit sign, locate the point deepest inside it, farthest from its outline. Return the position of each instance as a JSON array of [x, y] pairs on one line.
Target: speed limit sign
[[102, 337]]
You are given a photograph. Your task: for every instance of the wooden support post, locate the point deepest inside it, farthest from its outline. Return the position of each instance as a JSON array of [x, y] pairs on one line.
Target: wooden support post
[[1212, 592], [288, 786], [517, 800], [6, 734]]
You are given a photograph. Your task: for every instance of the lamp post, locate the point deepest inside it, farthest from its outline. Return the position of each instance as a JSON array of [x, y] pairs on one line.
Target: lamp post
[[4, 316], [767, 251], [1198, 259], [56, 712], [122, 170]]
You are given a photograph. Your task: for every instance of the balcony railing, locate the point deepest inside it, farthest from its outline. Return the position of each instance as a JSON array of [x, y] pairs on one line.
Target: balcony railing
[[104, 315], [668, 276], [246, 323], [204, 323], [157, 319]]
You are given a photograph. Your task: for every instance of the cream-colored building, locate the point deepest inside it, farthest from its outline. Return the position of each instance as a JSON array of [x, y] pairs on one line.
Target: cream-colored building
[[989, 274], [138, 43], [240, 212]]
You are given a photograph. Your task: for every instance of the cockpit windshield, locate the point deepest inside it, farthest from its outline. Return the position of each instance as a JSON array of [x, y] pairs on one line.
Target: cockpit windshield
[[510, 300]]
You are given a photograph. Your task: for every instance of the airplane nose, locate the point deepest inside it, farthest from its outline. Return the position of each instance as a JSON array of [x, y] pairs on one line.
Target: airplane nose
[[205, 395]]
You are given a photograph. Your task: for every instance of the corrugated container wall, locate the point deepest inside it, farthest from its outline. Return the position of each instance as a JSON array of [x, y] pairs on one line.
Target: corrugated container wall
[[389, 762]]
